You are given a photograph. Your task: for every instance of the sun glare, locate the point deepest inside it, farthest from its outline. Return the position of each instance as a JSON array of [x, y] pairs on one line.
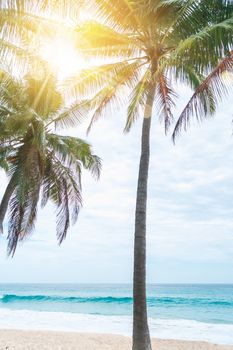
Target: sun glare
[[62, 57]]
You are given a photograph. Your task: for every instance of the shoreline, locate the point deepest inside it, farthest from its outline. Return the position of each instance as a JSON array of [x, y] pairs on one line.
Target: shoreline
[[53, 340], [188, 330]]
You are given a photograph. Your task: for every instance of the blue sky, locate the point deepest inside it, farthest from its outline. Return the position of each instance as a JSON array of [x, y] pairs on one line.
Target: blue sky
[[190, 210]]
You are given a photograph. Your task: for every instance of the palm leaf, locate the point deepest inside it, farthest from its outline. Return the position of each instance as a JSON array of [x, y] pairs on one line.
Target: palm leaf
[[211, 40], [121, 14], [164, 98], [74, 152], [62, 186], [23, 204], [137, 100], [88, 81], [94, 39], [70, 116], [112, 95], [199, 107]]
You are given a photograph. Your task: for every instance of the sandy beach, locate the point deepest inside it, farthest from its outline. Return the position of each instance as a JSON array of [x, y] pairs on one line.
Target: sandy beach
[[48, 340]]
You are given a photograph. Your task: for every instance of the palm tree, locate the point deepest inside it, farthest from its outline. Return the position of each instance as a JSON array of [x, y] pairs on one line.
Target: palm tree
[[39, 162], [145, 47]]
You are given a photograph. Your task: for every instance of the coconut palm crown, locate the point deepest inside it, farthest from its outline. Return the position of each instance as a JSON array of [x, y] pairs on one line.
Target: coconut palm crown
[[40, 163], [145, 47]]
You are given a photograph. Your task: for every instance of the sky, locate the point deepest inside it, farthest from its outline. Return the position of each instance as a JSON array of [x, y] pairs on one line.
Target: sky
[[190, 209]]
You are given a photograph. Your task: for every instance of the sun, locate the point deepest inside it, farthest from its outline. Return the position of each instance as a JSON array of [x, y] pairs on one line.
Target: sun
[[62, 57]]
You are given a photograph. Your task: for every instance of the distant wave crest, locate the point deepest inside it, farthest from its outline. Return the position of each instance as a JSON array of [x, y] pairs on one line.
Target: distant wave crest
[[10, 298]]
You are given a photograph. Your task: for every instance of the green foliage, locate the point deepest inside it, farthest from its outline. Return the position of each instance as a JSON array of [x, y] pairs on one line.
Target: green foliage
[[164, 40], [142, 46], [39, 162], [137, 100], [207, 95]]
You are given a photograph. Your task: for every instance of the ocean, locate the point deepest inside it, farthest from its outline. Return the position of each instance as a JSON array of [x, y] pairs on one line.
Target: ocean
[[189, 312]]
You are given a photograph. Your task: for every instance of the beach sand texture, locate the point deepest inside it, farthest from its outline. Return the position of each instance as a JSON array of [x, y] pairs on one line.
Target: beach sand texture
[[47, 340]]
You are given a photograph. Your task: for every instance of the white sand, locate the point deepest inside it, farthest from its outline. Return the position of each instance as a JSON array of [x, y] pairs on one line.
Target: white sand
[[40, 340]]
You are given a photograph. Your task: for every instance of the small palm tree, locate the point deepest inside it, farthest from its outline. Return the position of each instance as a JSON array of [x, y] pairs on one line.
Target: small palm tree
[[39, 163], [146, 46]]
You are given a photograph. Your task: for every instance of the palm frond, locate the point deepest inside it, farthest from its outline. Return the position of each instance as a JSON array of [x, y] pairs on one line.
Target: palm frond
[[73, 151], [25, 26], [113, 95], [97, 40], [6, 199], [121, 15], [190, 15], [213, 87], [212, 41], [137, 100], [88, 81], [23, 203], [3, 159], [61, 8], [188, 76], [71, 116], [62, 186], [164, 98]]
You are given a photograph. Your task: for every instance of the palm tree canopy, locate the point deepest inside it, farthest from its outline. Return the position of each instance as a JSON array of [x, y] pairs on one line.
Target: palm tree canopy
[[39, 162], [144, 43]]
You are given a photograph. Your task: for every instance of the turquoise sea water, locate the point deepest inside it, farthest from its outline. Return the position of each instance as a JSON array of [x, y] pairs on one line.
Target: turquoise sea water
[[199, 308]]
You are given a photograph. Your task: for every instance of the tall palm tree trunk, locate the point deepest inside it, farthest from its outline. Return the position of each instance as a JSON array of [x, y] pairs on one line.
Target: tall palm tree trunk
[[5, 200], [141, 335]]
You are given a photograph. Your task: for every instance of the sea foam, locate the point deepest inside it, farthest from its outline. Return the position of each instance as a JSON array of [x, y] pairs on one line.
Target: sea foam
[[161, 328]]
